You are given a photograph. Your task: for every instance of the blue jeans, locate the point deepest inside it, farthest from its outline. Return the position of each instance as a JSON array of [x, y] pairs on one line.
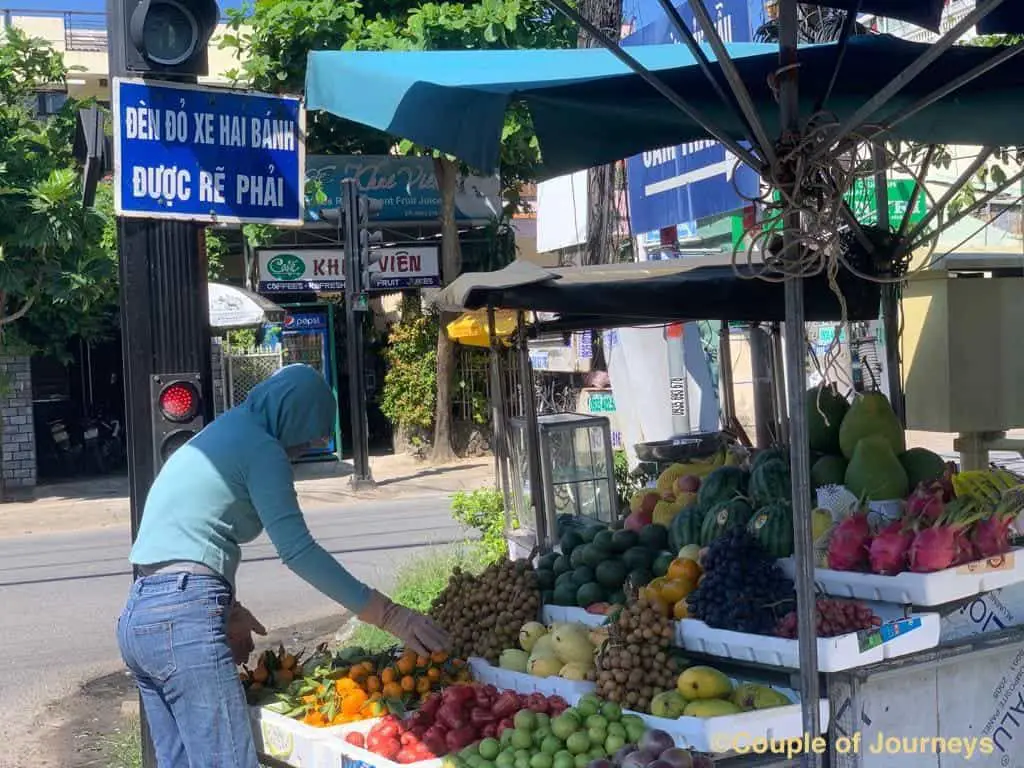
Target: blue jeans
[[171, 635]]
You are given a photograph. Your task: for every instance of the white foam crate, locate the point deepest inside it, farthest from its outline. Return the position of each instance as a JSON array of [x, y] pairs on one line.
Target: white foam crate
[[559, 614], [334, 752], [718, 735], [924, 589], [505, 679], [284, 738], [898, 636]]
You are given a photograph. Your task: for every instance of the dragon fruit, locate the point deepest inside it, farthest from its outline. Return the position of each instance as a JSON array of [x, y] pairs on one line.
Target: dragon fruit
[[933, 549], [991, 537], [925, 504], [888, 550], [963, 542], [848, 545]]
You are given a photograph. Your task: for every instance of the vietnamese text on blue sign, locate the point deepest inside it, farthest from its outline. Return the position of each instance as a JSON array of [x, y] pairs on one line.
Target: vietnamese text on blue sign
[[687, 182], [207, 154]]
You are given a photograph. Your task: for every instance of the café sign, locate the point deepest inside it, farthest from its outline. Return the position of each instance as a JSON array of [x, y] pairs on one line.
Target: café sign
[[322, 270]]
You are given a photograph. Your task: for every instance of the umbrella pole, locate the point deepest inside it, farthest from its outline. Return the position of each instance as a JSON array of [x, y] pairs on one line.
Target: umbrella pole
[[545, 538], [796, 376], [498, 428]]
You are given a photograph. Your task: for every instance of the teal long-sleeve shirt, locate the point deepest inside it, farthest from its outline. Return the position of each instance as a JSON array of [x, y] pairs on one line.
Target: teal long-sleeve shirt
[[234, 480]]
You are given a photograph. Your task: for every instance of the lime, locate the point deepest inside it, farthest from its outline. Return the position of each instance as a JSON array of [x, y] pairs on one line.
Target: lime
[[573, 712], [627, 719], [582, 761], [475, 761], [617, 729], [523, 754], [543, 721], [540, 734], [506, 737], [522, 739], [597, 752], [521, 762], [564, 760], [468, 752], [489, 749], [525, 720], [614, 743], [597, 735], [597, 721], [505, 760], [541, 760], [578, 743], [589, 705], [635, 732], [612, 712], [564, 726]]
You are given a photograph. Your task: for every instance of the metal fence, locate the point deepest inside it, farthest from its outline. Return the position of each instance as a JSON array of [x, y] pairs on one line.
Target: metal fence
[[243, 370], [85, 31]]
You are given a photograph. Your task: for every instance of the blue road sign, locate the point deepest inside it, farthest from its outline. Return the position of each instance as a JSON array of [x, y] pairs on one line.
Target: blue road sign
[[207, 154], [680, 184]]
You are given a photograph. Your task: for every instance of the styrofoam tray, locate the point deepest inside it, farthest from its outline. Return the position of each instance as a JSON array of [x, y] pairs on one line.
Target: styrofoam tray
[[334, 752], [925, 589], [284, 738], [728, 733], [897, 637], [559, 614], [505, 679]]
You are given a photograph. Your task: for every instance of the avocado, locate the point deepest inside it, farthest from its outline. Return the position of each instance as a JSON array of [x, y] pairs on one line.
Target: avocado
[[605, 540], [638, 557], [545, 579], [624, 540], [588, 594], [654, 536], [547, 562], [582, 575], [570, 540], [593, 555], [661, 563], [565, 594], [611, 574], [561, 565], [576, 558]]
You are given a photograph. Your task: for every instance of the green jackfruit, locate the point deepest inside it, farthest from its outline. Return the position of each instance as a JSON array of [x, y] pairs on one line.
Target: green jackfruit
[[826, 409], [871, 415], [874, 471]]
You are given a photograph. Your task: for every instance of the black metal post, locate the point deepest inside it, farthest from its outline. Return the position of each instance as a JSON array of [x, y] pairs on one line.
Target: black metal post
[[361, 477]]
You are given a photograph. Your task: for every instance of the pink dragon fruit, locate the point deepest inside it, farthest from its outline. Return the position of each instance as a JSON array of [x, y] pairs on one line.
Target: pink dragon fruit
[[848, 544], [991, 537], [963, 541], [933, 549], [925, 504], [888, 550]]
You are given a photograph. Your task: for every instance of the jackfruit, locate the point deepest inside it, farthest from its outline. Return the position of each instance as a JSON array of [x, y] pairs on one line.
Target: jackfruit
[[875, 473], [826, 409], [871, 415]]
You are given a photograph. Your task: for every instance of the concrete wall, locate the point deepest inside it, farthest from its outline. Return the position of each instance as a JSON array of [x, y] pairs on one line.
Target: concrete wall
[[17, 435]]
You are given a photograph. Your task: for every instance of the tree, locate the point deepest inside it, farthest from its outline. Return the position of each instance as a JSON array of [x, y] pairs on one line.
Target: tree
[[272, 40]]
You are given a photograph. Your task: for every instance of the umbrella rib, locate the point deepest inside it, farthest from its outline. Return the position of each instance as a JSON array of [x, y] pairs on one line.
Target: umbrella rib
[[948, 88], [844, 41], [705, 64], [732, 76], [955, 187], [915, 195], [981, 202], [898, 83], [655, 82]]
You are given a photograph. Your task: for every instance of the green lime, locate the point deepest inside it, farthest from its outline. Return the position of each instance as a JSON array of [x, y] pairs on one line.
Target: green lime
[[469, 752], [525, 720], [564, 760], [626, 719], [551, 745], [597, 752], [582, 761], [612, 712], [635, 732], [540, 760], [543, 721], [540, 734], [523, 754], [578, 743], [489, 749], [506, 737], [589, 705], [617, 729], [521, 762], [522, 739], [573, 712], [597, 735], [564, 726], [505, 760], [614, 743], [596, 721]]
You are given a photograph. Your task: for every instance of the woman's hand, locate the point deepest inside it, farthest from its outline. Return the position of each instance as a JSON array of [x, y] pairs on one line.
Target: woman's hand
[[240, 626], [418, 632]]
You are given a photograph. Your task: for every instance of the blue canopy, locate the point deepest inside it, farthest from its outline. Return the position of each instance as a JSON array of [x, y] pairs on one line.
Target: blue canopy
[[1006, 19], [588, 108]]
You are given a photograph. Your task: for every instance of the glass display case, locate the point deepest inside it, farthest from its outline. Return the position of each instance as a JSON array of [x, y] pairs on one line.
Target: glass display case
[[577, 469]]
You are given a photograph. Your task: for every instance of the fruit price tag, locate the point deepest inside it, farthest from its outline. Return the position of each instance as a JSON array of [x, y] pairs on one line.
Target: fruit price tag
[[1000, 563], [872, 638]]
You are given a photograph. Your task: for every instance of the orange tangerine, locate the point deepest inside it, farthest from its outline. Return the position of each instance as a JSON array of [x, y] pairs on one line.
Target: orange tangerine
[[674, 590], [373, 684], [423, 685], [682, 568], [439, 657], [392, 691], [388, 675], [406, 664], [408, 684], [680, 610]]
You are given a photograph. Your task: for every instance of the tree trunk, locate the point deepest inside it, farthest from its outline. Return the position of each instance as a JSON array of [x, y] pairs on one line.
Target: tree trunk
[[600, 248], [447, 173]]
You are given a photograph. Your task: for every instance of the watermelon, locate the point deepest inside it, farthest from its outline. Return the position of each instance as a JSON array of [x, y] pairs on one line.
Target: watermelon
[[685, 527], [723, 518], [772, 525], [779, 452], [770, 481], [723, 484]]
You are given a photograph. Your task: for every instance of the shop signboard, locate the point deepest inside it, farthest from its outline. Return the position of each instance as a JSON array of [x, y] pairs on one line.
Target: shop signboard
[[205, 154], [683, 183], [322, 270], [405, 186]]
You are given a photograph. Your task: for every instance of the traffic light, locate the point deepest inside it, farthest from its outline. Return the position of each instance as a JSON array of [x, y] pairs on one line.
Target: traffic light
[[167, 37], [366, 258], [177, 412]]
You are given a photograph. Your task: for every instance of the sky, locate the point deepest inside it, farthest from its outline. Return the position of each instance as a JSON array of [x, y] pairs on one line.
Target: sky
[[88, 6]]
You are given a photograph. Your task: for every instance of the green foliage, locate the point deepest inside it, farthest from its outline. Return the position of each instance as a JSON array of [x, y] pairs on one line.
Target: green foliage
[[58, 263], [410, 384], [484, 510], [627, 483], [242, 339], [417, 583]]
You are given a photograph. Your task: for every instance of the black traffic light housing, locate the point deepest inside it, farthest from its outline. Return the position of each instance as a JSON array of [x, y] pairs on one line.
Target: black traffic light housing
[[177, 412], [167, 37], [367, 206]]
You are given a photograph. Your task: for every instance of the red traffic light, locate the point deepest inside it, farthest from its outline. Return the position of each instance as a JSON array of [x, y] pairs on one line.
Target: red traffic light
[[179, 402]]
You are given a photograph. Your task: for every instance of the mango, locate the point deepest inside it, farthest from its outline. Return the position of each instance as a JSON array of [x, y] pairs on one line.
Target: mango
[[711, 708], [530, 633], [703, 682], [513, 659], [544, 666]]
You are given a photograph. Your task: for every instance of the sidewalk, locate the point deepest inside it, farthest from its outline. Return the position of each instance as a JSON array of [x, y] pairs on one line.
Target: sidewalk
[[103, 502]]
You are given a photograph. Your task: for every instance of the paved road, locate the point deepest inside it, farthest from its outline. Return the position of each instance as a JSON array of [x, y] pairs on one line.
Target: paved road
[[60, 594]]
